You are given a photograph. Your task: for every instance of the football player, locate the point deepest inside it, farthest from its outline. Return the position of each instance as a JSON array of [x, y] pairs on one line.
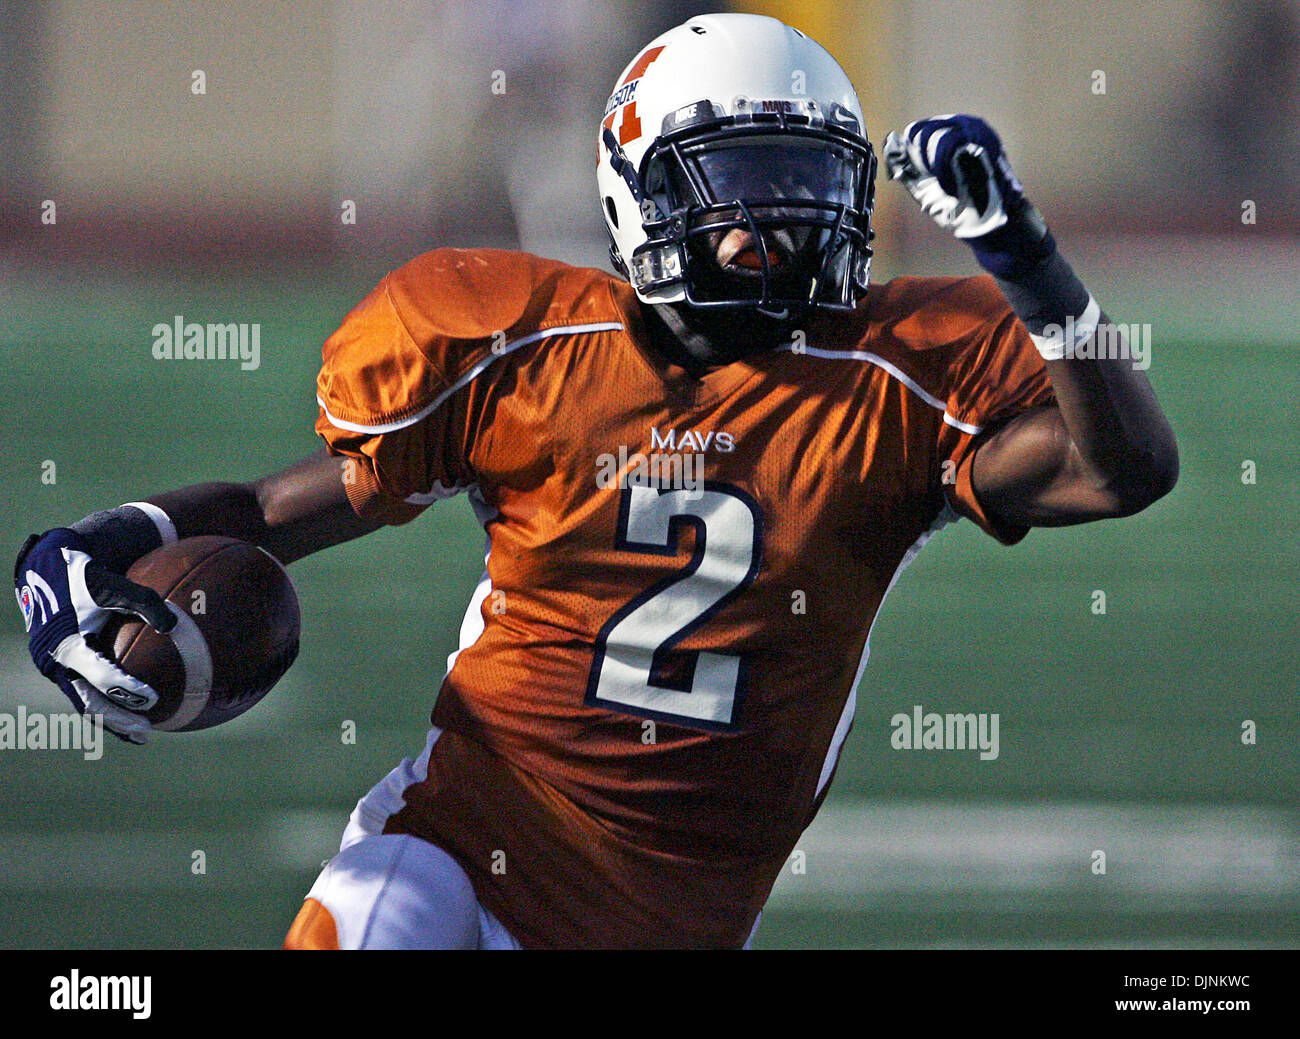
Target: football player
[[656, 673]]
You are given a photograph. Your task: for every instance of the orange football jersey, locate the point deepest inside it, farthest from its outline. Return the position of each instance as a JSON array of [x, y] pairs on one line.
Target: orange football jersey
[[655, 676]]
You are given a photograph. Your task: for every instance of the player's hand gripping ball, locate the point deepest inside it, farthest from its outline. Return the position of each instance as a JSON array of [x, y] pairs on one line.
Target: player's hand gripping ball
[[66, 600], [236, 631], [193, 635]]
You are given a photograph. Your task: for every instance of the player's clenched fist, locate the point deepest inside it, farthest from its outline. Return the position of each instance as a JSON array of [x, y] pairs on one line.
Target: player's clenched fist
[[955, 168], [66, 598]]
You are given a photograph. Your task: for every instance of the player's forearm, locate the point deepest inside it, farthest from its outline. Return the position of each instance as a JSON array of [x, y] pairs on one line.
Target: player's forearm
[[291, 513], [1106, 401], [1116, 424]]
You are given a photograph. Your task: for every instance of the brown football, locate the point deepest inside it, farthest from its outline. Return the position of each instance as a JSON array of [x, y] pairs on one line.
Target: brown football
[[235, 636]]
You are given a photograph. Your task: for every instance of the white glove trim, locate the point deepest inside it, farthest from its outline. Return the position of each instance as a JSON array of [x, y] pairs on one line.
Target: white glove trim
[[1059, 343], [133, 727], [166, 528], [912, 166], [75, 653]]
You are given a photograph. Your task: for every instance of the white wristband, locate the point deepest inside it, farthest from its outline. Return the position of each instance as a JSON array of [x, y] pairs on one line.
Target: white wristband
[[166, 528], [1059, 342]]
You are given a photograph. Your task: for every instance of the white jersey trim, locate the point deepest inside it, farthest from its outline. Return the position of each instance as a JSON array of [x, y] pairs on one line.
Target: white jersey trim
[[439, 492], [468, 377], [895, 371], [946, 515]]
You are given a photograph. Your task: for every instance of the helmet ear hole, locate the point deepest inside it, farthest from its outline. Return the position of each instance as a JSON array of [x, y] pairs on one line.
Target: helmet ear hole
[[613, 212]]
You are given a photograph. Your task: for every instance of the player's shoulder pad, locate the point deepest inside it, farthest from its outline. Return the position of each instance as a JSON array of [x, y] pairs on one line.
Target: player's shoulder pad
[[937, 314], [482, 295], [434, 322]]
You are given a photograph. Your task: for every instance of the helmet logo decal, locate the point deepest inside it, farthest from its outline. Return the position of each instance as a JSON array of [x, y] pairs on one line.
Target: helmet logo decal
[[624, 99], [642, 63]]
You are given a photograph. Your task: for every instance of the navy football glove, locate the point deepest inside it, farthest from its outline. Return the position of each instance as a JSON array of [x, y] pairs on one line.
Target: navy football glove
[[955, 168], [66, 599]]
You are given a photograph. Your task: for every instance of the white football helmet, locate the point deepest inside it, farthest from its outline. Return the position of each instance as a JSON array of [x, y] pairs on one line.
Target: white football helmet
[[734, 170]]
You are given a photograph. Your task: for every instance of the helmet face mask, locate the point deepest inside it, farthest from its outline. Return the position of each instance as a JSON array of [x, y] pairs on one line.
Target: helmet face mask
[[795, 199], [735, 174]]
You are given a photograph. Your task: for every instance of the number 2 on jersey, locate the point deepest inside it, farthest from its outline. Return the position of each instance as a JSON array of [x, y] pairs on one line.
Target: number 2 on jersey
[[633, 645]]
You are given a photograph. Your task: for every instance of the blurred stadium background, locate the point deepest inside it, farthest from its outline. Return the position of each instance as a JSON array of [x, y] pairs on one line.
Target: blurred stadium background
[[1174, 191]]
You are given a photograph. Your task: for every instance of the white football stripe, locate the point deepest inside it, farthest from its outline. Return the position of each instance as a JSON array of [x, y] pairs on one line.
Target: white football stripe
[[193, 649]]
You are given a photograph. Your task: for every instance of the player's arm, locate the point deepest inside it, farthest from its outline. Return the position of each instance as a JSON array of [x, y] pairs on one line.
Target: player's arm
[[70, 579], [291, 513], [1105, 448]]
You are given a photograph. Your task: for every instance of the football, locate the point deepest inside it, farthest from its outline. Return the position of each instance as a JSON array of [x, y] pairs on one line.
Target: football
[[236, 631]]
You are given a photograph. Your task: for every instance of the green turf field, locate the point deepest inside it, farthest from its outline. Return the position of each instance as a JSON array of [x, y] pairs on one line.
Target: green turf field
[[1119, 733]]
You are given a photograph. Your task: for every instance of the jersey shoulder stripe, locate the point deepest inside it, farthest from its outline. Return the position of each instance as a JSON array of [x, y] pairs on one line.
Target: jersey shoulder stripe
[[894, 370], [469, 376], [932, 335]]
